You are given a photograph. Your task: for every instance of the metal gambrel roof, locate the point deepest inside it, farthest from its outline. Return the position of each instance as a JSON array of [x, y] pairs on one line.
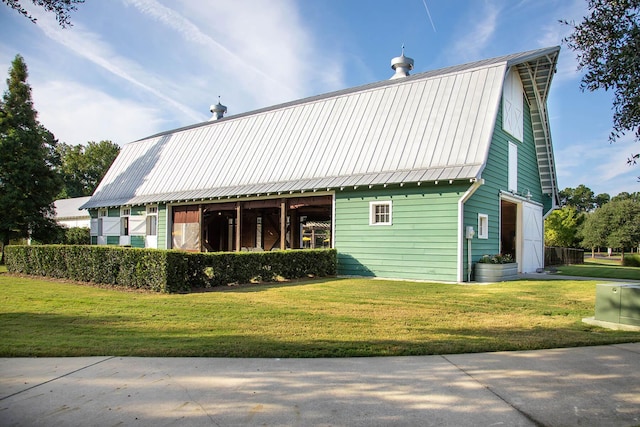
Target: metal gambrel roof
[[430, 126]]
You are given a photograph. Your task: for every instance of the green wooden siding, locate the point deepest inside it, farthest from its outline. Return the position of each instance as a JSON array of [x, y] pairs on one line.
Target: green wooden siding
[[113, 240], [137, 241], [528, 174], [162, 226], [113, 212], [93, 213], [94, 240], [420, 244], [486, 199]]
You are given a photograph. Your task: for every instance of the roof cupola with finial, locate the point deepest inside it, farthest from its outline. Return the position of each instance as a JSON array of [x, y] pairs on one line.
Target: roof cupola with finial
[[402, 65], [218, 111]]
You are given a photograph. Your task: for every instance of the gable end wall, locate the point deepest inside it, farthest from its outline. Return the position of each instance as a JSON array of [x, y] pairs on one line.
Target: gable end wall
[[486, 199]]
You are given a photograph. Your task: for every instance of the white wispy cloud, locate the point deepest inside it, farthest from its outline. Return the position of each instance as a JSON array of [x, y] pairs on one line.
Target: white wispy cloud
[[554, 32], [91, 47], [191, 33], [76, 114], [609, 172], [259, 53], [478, 34]]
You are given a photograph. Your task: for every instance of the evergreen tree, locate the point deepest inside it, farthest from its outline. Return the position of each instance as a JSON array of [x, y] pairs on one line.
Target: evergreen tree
[[29, 181]]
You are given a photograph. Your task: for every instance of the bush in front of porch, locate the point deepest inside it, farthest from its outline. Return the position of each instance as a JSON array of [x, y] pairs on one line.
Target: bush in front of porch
[[167, 271]]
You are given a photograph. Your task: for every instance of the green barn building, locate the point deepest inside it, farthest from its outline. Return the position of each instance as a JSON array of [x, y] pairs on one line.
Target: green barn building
[[415, 177]]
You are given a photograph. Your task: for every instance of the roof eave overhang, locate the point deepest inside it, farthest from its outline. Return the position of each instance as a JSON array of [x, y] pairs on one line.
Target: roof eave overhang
[[436, 176]]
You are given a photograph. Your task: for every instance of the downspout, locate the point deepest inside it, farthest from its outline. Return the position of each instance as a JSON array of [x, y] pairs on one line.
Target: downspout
[[461, 235]]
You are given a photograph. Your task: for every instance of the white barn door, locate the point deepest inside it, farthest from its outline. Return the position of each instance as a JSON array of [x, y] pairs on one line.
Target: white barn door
[[532, 238]]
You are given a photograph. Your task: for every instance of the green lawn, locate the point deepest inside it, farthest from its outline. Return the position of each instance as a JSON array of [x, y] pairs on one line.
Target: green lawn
[[322, 318], [600, 267]]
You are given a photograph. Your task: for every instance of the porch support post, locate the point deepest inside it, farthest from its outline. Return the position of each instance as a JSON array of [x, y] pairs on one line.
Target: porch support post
[[238, 225], [295, 238], [200, 222], [283, 224]]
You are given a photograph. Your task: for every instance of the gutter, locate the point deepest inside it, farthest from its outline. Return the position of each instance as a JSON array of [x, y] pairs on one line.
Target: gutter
[[466, 196]]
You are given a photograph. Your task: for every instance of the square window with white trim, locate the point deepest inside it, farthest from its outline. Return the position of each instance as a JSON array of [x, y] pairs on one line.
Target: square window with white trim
[[380, 213], [483, 226]]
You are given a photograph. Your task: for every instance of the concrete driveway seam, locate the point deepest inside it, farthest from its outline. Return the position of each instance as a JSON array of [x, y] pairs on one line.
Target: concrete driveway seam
[[493, 392], [57, 378]]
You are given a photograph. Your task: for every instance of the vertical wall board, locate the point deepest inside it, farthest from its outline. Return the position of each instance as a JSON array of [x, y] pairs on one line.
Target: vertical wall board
[[94, 227], [111, 226], [162, 226], [137, 225], [420, 244]]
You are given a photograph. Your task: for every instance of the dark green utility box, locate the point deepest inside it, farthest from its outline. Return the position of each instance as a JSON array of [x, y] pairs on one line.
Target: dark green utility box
[[618, 303]]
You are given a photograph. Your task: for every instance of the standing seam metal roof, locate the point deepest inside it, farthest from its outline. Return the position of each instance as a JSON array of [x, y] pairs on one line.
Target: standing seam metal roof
[[430, 126]]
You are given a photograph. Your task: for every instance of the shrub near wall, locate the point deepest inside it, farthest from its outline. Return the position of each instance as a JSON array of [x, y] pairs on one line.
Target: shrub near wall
[[132, 268], [166, 271], [631, 260]]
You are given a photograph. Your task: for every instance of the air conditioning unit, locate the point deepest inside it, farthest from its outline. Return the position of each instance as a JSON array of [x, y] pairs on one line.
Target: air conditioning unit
[[618, 303]]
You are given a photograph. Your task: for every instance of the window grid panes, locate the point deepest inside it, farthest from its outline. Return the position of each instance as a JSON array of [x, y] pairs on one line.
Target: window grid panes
[[380, 213]]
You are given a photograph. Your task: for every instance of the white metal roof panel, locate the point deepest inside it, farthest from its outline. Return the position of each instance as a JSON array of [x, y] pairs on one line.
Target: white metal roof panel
[[70, 208], [429, 126]]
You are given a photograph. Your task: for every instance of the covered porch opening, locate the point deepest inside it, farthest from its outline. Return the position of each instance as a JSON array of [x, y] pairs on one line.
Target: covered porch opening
[[265, 225]]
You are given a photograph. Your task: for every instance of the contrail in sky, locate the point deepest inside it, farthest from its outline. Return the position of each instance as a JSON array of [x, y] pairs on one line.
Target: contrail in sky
[[429, 14]]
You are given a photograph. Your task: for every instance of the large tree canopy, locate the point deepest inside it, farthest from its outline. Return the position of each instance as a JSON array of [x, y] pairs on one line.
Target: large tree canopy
[[29, 181], [607, 42], [84, 166], [615, 225], [561, 227], [62, 9], [582, 198]]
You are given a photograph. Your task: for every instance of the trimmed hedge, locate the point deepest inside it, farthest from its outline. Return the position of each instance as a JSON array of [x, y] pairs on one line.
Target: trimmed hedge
[[631, 260], [166, 271]]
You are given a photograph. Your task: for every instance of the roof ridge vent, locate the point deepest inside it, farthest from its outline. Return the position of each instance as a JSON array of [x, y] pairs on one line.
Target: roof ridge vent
[[402, 65], [218, 110]]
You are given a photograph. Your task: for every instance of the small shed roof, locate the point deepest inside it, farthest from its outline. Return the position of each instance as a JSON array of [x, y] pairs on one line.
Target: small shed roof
[[435, 125], [71, 208]]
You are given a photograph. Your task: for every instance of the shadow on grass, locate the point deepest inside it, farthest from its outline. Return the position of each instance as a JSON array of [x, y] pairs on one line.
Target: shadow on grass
[[51, 335], [262, 286]]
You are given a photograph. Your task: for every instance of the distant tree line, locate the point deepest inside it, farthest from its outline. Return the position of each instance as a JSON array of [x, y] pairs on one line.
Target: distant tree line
[[587, 221]]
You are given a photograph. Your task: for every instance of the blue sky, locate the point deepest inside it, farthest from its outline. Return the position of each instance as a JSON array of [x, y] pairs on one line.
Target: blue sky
[[131, 68]]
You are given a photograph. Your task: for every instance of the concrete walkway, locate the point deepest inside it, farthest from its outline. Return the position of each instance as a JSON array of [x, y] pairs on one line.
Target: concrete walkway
[[588, 386], [554, 276]]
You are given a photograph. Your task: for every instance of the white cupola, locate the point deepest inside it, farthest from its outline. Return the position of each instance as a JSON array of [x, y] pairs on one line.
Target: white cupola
[[402, 65]]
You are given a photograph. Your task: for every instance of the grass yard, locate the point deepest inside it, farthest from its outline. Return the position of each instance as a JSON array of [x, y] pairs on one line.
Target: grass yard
[[601, 267], [322, 318]]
